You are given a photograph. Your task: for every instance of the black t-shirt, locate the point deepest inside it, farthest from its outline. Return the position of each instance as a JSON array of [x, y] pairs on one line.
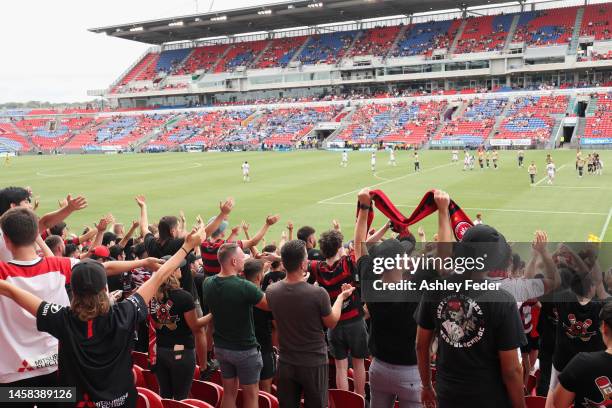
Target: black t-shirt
[[472, 328], [578, 328], [169, 320], [547, 325], [171, 247], [272, 277], [392, 326], [263, 329], [95, 356], [589, 376]]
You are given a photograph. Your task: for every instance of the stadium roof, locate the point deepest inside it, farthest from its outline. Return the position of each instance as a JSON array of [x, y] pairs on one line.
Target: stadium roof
[[275, 16]]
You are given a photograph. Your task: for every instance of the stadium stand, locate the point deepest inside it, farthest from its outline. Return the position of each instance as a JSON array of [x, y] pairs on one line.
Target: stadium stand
[[599, 124], [326, 48], [596, 21], [10, 140], [546, 27], [423, 38], [279, 52], [484, 34], [202, 58], [241, 54], [474, 126], [375, 41]]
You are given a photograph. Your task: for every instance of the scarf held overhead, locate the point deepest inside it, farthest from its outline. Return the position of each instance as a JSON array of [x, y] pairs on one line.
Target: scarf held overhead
[[460, 222]]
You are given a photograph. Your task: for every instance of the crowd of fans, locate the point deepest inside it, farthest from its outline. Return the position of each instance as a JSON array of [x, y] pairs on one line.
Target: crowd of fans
[[292, 319]]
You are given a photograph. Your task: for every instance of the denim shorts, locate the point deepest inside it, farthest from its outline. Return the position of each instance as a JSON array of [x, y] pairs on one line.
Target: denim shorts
[[244, 364]]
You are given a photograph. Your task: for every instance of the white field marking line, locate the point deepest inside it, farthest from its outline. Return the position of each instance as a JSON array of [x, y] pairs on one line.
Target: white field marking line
[[325, 200], [605, 227], [41, 174], [546, 177], [496, 209], [576, 187]]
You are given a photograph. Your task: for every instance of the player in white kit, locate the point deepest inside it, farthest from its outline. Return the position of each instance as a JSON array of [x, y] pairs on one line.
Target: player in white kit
[[245, 172], [455, 156], [466, 161], [551, 170], [373, 161], [344, 161], [392, 157]]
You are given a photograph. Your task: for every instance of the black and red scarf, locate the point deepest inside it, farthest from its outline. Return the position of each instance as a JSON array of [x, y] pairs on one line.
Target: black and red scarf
[[460, 222]]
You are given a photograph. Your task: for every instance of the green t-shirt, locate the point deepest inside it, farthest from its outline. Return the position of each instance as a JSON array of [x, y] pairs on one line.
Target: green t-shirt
[[231, 301]]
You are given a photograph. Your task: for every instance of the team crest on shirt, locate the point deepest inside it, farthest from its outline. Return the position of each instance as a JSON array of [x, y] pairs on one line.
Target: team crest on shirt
[[462, 321], [578, 329], [605, 387], [161, 311]]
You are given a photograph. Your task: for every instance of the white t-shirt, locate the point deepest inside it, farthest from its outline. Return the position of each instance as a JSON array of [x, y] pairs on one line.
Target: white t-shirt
[[373, 159], [245, 168], [392, 155], [551, 168], [344, 156], [522, 289], [27, 352]]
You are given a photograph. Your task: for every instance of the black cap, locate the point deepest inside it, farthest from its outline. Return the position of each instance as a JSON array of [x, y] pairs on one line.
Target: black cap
[[167, 257], [485, 241], [88, 278]]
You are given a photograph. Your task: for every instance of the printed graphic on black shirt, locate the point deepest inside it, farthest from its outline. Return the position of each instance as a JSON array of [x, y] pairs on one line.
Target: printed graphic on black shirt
[[162, 316], [577, 329], [604, 385], [462, 321]]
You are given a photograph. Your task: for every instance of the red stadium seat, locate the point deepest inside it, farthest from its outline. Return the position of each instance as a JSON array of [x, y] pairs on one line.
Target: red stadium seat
[[207, 391], [345, 399], [140, 359], [150, 380], [535, 402], [197, 403], [139, 380], [273, 400], [148, 399], [170, 403]]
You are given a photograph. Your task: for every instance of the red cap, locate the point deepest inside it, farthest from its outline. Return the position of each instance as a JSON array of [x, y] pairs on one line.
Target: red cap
[[101, 252]]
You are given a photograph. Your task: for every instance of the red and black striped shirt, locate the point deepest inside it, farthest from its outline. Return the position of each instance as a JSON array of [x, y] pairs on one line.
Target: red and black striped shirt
[[209, 250], [331, 278]]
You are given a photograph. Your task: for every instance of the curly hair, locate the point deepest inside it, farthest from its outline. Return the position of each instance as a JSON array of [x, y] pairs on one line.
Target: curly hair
[[330, 242]]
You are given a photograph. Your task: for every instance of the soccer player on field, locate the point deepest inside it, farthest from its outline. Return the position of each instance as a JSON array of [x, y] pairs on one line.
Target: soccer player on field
[[472, 161], [392, 157], [532, 170], [246, 167], [488, 158], [466, 160], [495, 157], [481, 158], [373, 162], [344, 161], [578, 157], [417, 165], [455, 156], [580, 166], [551, 170], [521, 157]]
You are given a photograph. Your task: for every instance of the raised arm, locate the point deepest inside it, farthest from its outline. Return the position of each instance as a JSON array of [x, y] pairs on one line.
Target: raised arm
[[144, 215], [24, 299], [148, 289], [225, 208], [117, 267], [69, 206], [290, 229], [87, 236], [377, 236], [552, 280], [361, 225], [270, 220], [129, 234], [444, 248]]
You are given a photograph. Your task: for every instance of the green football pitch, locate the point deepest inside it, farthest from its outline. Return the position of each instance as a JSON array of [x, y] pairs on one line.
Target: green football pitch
[[310, 188]]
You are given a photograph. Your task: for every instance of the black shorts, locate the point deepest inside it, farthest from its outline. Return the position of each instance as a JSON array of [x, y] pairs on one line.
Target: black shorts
[[533, 343], [269, 365], [349, 337]]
